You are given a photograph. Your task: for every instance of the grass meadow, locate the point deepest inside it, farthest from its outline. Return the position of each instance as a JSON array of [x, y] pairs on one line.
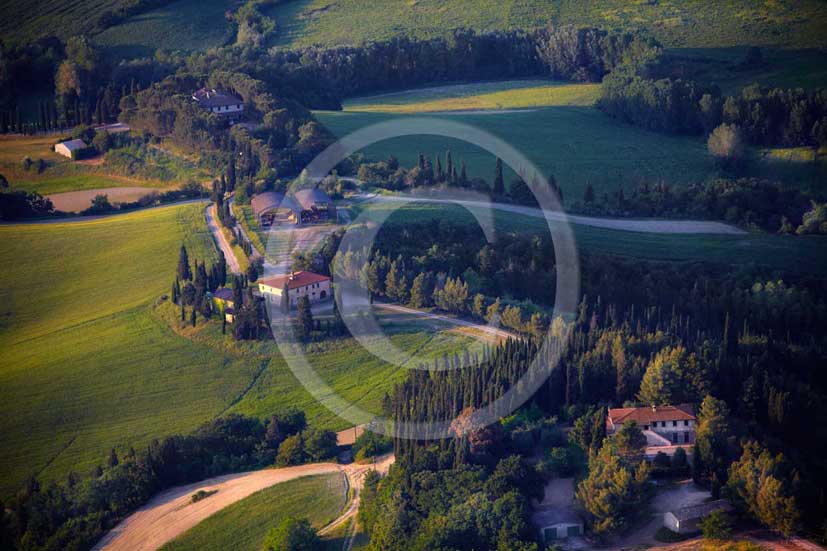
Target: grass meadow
[[182, 25], [693, 23], [244, 525], [93, 358], [515, 94], [578, 145]]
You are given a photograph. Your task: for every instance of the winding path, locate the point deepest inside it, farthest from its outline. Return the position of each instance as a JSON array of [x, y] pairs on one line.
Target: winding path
[[650, 225], [171, 513], [221, 239]]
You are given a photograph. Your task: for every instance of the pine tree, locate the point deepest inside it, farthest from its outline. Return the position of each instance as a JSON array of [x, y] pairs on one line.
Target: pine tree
[[499, 183], [440, 176], [463, 175], [449, 166]]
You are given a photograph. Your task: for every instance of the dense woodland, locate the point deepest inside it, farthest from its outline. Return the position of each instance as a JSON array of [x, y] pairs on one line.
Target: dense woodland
[[743, 347], [767, 117]]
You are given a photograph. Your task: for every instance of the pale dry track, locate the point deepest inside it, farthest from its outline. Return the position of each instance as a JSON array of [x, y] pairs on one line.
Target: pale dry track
[[171, 513]]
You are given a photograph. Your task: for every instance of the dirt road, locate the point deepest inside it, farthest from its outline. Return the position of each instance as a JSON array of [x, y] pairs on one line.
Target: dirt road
[[494, 332], [624, 224], [221, 239], [171, 513]]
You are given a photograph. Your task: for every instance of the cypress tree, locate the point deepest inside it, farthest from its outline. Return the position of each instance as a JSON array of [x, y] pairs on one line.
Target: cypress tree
[[184, 271], [193, 316], [499, 183], [449, 166]]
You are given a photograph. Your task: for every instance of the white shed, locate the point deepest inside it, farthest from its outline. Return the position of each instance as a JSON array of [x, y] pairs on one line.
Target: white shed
[[685, 520], [70, 148]]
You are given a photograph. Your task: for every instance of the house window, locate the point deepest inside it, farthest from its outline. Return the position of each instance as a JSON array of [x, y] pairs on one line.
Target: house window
[[663, 423], [686, 423], [674, 423], [645, 427], [674, 437], [686, 437]]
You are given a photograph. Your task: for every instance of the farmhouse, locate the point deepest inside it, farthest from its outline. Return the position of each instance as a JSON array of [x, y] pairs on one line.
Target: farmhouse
[[315, 205], [275, 208], [298, 284], [222, 103], [223, 303], [666, 427], [685, 520], [71, 148]]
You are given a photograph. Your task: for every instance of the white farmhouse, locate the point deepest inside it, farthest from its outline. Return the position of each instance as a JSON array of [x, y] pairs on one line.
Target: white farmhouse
[[223, 104], [666, 427], [316, 287]]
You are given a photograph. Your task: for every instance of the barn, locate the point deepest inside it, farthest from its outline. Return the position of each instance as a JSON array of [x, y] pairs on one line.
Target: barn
[[316, 206], [273, 208], [71, 148]]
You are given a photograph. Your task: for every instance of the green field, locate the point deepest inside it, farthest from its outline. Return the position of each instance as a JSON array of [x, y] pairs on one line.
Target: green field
[[786, 254], [183, 25], [244, 525], [693, 23], [93, 358], [194, 25], [578, 145], [515, 94]]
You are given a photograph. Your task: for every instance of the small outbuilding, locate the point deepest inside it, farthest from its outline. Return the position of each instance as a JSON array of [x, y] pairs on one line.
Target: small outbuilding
[[686, 519], [72, 149], [223, 302], [556, 524]]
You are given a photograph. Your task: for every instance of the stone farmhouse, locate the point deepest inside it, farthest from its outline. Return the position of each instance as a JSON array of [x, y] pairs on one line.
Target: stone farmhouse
[[666, 427], [316, 287]]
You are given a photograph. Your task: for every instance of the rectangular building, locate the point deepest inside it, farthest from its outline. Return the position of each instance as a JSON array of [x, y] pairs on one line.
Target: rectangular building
[[315, 287]]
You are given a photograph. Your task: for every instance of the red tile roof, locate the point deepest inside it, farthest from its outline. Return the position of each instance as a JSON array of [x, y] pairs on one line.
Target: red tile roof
[[298, 279], [648, 415]]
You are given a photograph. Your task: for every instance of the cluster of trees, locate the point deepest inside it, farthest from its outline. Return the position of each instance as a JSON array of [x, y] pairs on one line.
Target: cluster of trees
[[324, 76], [752, 203], [433, 502], [192, 283], [76, 513], [766, 117], [16, 205], [286, 137]]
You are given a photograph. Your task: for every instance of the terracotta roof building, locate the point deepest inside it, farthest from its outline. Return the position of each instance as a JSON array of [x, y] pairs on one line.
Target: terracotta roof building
[[315, 287], [664, 426]]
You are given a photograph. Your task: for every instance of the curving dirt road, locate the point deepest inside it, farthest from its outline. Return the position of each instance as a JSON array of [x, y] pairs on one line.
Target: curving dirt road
[[171, 513], [221, 239], [624, 224]]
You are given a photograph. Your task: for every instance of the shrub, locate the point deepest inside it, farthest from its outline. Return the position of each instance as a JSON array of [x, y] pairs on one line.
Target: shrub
[[717, 525], [726, 144]]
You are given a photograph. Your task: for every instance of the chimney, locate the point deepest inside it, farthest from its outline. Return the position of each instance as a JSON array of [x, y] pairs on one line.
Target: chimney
[[654, 408], [292, 275]]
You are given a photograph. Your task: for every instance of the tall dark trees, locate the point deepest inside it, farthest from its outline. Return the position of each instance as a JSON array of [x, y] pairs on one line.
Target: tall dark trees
[[499, 183], [184, 270], [304, 318]]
